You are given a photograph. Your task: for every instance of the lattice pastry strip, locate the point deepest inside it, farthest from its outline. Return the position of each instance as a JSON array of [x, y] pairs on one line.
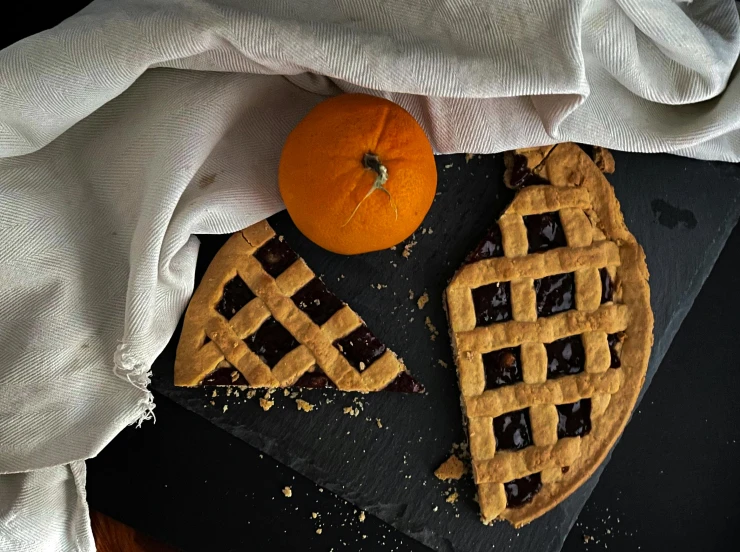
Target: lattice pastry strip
[[262, 318], [551, 328]]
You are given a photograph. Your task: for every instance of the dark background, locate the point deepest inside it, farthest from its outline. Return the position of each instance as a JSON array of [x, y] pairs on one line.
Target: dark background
[[672, 482]]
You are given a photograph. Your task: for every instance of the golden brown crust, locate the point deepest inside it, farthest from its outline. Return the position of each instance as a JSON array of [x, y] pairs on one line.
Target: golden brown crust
[[195, 360], [450, 469], [604, 159], [597, 237]]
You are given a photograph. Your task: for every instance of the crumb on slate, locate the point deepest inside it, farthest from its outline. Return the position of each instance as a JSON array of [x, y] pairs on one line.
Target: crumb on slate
[[319, 531], [288, 492], [452, 498], [361, 517], [226, 407], [303, 405], [422, 301], [351, 411], [468, 157], [379, 423], [407, 249], [251, 393], [442, 363], [452, 468], [432, 328], [266, 404], [411, 294]]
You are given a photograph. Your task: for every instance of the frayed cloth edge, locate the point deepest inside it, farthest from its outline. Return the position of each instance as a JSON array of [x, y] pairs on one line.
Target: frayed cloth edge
[[138, 374]]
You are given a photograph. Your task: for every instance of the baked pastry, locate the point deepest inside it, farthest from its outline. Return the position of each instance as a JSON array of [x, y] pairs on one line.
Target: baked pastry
[[261, 318], [551, 328]]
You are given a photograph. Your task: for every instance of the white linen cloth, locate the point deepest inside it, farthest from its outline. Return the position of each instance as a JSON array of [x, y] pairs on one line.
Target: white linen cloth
[[136, 124]]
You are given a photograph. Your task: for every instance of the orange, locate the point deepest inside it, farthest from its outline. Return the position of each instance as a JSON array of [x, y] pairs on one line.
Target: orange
[[357, 174]]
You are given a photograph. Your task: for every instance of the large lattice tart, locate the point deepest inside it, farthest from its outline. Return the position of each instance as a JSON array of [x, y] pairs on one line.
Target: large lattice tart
[[260, 317], [552, 328]]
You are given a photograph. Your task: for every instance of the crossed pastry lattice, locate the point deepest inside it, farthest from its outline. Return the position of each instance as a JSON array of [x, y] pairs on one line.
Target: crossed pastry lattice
[[586, 253], [273, 299]]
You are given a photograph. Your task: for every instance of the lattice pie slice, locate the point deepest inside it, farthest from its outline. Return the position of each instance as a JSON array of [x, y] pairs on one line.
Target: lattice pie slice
[[552, 329], [262, 318]]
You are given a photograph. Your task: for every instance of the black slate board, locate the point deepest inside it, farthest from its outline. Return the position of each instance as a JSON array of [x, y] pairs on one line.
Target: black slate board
[[680, 210]]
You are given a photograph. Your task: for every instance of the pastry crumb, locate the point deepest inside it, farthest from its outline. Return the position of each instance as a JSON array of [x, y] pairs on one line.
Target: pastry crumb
[[319, 531], [452, 468], [407, 249], [361, 517], [449, 165], [241, 387], [432, 328], [229, 391], [215, 393], [286, 392], [314, 515], [288, 492], [411, 295], [442, 363], [436, 508], [293, 395], [452, 498], [234, 376], [303, 405], [266, 404], [226, 407], [422, 301], [251, 393], [379, 423], [468, 157], [381, 286], [351, 411], [604, 159], [212, 403]]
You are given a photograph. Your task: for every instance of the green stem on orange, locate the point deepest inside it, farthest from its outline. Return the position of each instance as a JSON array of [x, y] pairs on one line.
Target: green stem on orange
[[372, 162]]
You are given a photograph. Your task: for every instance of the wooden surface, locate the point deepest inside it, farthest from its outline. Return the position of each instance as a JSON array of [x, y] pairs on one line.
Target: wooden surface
[[114, 536]]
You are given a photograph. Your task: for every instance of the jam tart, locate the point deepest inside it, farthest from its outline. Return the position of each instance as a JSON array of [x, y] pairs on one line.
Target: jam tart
[[261, 318], [551, 327]]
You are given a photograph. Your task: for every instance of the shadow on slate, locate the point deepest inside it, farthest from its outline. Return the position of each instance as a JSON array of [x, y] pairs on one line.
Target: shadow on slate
[[680, 210]]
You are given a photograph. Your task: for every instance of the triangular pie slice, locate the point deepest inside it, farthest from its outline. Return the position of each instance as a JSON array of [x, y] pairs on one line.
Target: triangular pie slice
[[551, 328], [261, 318]]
